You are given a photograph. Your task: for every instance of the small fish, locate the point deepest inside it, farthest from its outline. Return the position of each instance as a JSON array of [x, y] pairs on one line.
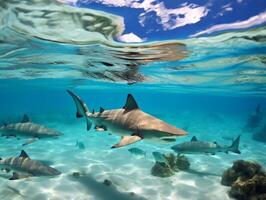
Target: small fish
[[195, 146], [137, 151], [80, 145], [159, 157]]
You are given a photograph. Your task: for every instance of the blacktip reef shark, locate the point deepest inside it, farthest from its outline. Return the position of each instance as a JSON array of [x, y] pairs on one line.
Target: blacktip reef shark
[[196, 146], [25, 167], [28, 129], [130, 122]]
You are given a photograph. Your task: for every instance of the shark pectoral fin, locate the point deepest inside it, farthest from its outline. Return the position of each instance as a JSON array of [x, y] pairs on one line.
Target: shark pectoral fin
[[17, 176], [29, 141], [89, 124], [126, 140]]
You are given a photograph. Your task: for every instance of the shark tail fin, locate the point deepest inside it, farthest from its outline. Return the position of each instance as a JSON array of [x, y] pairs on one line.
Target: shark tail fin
[[235, 145], [82, 109]]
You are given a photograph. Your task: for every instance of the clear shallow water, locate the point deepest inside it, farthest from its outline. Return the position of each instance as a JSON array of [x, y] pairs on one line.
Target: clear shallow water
[[211, 118], [209, 86]]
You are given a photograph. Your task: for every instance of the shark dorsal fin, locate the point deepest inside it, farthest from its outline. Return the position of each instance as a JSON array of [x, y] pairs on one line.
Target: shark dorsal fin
[[131, 104], [101, 109], [23, 154], [194, 138], [93, 111], [25, 119]]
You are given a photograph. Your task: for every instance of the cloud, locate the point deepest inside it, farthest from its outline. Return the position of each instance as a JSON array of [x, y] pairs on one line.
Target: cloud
[[224, 9], [173, 18], [252, 21], [168, 18], [227, 7], [116, 3], [129, 38]]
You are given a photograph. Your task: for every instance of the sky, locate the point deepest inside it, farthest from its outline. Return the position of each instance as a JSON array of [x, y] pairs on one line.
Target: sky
[[151, 20]]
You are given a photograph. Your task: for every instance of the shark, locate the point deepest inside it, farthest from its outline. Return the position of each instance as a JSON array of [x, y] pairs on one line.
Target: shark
[[196, 146], [26, 128], [129, 122], [25, 167]]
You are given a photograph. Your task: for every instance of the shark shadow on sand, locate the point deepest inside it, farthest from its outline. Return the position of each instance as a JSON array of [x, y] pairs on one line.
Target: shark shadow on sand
[[102, 191]]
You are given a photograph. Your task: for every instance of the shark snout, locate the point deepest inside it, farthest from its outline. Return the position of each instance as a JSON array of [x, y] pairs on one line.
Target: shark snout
[[182, 132], [178, 132], [57, 133]]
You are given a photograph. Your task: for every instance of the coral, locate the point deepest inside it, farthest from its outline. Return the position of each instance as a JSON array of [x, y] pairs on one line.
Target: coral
[[162, 169], [240, 168], [229, 177], [247, 180], [171, 161], [182, 162], [174, 164], [246, 169], [253, 188]]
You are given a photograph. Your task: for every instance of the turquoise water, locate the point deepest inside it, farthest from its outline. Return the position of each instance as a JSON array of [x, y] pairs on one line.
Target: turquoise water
[[208, 86]]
